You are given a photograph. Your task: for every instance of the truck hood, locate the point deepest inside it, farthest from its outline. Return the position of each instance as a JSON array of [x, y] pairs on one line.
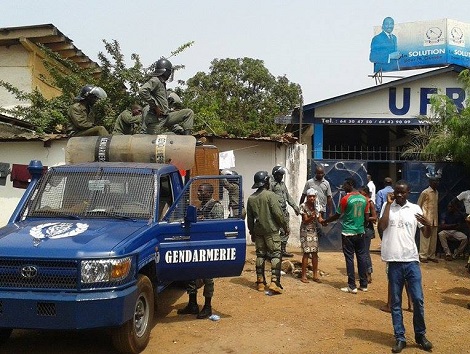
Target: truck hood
[[66, 238]]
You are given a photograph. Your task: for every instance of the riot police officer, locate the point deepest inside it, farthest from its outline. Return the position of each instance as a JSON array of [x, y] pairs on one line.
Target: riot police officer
[[81, 115], [264, 218], [279, 187], [157, 115], [232, 187]]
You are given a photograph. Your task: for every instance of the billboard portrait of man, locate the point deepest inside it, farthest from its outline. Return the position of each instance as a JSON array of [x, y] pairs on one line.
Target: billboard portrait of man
[[383, 48]]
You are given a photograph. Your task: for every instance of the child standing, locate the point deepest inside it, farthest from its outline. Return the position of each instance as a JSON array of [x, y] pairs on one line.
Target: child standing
[[308, 234]]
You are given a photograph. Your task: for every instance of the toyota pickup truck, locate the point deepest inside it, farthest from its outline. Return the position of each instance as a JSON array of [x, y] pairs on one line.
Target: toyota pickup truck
[[92, 244]]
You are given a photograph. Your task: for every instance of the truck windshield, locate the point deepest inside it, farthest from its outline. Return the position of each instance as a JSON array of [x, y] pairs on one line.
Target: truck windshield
[[94, 195]]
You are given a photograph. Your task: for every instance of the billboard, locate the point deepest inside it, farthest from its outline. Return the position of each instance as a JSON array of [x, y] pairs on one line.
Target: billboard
[[417, 45]]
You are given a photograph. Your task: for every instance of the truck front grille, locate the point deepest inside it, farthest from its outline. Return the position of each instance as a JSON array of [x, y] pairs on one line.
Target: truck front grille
[[38, 274]]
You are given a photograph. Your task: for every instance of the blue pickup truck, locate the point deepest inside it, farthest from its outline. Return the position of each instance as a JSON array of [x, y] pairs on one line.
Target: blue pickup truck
[[90, 245]]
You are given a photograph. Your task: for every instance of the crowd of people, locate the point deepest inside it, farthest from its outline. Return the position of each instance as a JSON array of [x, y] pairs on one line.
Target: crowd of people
[[363, 211], [388, 212]]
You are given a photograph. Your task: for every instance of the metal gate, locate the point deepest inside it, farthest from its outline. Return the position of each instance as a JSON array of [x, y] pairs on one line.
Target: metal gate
[[455, 179]]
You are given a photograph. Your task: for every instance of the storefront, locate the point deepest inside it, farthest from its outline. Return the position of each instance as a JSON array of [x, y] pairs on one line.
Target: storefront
[[365, 132]]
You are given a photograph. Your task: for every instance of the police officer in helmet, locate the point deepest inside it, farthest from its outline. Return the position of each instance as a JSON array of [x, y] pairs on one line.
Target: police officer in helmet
[[264, 218], [158, 117], [279, 187], [81, 115]]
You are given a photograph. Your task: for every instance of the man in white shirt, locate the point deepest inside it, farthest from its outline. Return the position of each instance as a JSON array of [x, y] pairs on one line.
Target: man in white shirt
[[464, 197], [371, 186], [399, 220]]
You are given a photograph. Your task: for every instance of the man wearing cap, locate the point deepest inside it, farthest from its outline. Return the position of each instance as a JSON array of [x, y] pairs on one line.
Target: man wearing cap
[[428, 201]]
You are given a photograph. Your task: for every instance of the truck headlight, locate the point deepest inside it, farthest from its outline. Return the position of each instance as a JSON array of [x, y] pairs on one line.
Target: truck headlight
[[105, 270]]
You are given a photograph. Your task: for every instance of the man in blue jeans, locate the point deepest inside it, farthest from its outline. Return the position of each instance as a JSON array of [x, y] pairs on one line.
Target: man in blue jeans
[[399, 220], [353, 208]]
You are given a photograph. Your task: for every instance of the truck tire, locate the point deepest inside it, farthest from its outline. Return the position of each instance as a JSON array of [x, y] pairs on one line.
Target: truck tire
[[5, 334], [134, 335]]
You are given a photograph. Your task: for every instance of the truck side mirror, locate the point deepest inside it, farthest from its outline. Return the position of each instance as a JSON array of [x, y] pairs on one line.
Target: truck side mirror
[[191, 214]]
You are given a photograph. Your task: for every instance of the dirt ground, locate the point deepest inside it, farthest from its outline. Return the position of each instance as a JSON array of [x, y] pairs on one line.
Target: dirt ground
[[307, 318]]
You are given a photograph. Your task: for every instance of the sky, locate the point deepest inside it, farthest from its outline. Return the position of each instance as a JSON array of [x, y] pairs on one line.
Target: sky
[[321, 45]]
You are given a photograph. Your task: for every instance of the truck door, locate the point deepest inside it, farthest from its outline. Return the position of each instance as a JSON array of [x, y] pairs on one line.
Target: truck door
[[197, 238]]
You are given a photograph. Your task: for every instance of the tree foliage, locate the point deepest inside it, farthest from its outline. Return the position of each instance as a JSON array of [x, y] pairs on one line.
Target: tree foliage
[[240, 97], [447, 137]]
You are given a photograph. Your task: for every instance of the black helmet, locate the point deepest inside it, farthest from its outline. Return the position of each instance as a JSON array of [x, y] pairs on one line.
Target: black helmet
[[90, 90], [164, 68], [278, 170], [260, 179]]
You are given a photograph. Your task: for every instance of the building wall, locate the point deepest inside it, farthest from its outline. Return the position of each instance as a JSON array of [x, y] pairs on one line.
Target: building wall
[[252, 156], [22, 153], [381, 104], [14, 69], [22, 66]]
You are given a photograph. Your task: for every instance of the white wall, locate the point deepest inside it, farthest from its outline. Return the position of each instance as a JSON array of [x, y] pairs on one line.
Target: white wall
[[252, 156], [22, 153], [14, 61]]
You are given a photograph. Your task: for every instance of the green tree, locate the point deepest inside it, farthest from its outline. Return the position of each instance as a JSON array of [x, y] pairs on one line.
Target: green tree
[[447, 137], [239, 97]]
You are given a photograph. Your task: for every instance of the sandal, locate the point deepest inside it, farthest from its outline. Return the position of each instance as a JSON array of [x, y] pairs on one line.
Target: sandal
[[317, 280], [304, 280]]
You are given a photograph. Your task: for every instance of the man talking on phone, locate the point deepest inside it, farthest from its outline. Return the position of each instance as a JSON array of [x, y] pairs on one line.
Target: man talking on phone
[[399, 220]]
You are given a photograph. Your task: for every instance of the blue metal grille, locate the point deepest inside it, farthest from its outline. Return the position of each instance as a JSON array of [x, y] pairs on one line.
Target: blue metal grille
[[38, 274]]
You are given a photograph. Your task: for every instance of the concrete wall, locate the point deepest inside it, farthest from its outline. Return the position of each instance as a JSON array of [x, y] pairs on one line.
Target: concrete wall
[[22, 66], [22, 153], [14, 69], [251, 156]]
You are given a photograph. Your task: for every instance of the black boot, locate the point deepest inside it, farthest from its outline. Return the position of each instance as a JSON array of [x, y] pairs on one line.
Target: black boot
[[206, 309], [284, 253], [177, 129], [188, 132], [191, 308]]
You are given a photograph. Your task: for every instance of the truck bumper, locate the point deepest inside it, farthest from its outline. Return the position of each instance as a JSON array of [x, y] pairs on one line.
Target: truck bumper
[[41, 310]]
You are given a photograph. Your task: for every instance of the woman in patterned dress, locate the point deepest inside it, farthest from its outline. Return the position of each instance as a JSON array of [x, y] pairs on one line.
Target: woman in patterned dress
[[308, 234]]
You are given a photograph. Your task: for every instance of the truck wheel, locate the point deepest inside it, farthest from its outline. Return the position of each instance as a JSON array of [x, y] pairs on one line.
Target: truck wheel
[[5, 334], [134, 335]]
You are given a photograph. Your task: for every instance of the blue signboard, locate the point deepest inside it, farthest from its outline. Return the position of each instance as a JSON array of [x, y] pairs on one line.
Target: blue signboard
[[418, 45]]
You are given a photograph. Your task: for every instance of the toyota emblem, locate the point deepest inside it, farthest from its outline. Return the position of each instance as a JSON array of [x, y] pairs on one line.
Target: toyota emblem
[[29, 272]]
